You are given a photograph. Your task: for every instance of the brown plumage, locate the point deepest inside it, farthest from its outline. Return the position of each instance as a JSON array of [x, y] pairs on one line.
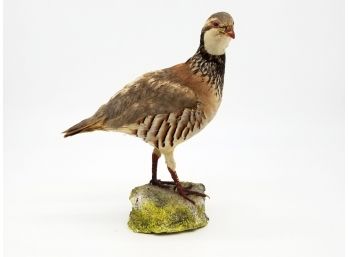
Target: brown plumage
[[166, 107]]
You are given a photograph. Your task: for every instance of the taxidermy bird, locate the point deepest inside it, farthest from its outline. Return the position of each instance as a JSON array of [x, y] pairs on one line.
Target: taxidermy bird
[[169, 106]]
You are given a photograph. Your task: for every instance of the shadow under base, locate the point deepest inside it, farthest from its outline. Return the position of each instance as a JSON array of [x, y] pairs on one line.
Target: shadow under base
[[161, 210]]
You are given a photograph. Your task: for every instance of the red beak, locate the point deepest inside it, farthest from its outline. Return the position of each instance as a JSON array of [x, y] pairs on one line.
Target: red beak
[[230, 33]]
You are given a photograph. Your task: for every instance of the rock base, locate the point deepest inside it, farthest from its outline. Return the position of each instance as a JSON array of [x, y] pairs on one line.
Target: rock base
[[160, 210]]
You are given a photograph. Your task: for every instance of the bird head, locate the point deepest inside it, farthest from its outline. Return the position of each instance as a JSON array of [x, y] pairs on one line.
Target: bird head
[[217, 33]]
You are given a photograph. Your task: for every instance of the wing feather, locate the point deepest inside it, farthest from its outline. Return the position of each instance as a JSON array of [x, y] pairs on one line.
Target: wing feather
[[153, 93]]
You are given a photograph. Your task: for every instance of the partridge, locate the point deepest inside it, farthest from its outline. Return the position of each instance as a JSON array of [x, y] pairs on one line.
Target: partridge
[[169, 106]]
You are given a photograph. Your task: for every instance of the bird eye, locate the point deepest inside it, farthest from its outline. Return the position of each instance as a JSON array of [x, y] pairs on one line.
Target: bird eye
[[216, 24]]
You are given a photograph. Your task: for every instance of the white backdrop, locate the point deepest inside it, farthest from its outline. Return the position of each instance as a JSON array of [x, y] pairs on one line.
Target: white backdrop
[[272, 160]]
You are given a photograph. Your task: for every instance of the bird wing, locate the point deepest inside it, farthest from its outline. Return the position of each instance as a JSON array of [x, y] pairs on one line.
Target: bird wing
[[154, 93]]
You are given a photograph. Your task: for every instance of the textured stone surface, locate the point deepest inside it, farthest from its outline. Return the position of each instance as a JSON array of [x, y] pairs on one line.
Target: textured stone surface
[[159, 210]]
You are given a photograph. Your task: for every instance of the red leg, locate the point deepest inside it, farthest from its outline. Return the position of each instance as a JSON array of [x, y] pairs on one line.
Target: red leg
[[155, 158], [184, 192], [154, 181]]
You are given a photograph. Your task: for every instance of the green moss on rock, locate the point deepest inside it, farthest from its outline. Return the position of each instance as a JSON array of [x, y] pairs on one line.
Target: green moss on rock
[[158, 210]]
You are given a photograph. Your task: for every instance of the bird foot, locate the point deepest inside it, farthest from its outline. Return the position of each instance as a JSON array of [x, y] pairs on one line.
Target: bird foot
[[163, 184], [182, 191], [186, 191]]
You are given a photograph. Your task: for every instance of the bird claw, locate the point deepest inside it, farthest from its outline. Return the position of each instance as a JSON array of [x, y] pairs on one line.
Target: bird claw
[[182, 191], [163, 184], [186, 191]]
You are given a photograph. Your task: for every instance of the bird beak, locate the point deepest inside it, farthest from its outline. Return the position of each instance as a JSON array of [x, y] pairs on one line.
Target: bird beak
[[230, 33]]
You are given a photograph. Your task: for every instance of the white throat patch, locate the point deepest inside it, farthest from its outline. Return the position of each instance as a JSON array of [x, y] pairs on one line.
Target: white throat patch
[[215, 43]]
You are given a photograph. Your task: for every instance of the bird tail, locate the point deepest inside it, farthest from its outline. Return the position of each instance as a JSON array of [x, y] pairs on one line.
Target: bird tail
[[86, 125]]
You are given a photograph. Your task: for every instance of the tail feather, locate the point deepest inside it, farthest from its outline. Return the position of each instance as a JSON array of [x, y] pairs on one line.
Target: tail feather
[[86, 125]]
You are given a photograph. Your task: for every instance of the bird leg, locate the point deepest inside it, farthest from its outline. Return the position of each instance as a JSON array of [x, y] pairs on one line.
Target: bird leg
[[184, 191], [156, 154]]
